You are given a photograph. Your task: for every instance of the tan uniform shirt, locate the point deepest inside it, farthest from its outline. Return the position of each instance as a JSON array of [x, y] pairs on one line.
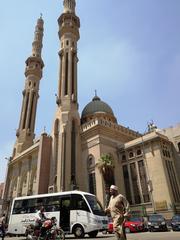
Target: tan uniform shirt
[[118, 205]]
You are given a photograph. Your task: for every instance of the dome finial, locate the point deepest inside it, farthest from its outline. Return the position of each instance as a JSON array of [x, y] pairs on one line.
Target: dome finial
[[96, 98], [69, 6]]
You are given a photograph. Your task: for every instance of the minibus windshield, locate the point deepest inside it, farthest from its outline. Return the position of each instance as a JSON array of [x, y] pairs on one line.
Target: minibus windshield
[[95, 205]]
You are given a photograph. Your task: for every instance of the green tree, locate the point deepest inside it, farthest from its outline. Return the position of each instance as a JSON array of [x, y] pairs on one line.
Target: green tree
[[106, 167]]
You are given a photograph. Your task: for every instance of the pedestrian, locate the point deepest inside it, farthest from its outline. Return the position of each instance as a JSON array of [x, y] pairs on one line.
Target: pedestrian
[[40, 219], [3, 225], [119, 209], [41, 216]]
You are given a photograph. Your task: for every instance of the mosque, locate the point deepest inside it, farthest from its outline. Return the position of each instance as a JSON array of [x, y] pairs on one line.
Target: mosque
[[145, 167]]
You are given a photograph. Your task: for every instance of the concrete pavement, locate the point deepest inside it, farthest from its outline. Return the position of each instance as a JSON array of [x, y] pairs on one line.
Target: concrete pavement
[[132, 236]]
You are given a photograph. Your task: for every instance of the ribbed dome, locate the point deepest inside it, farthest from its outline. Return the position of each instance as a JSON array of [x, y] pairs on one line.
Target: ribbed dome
[[96, 106]]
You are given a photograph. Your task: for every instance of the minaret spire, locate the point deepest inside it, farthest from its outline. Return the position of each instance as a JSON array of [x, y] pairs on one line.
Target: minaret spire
[[33, 73], [69, 6], [69, 25], [38, 36]]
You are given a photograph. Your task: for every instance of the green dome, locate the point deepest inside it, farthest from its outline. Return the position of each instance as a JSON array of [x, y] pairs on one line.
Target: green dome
[[96, 106]]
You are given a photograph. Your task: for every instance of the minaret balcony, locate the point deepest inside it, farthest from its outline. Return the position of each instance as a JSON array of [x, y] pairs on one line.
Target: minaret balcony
[[70, 19], [34, 60], [33, 71], [69, 30]]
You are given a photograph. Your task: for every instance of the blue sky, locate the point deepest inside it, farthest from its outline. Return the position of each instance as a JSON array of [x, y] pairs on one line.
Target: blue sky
[[129, 52]]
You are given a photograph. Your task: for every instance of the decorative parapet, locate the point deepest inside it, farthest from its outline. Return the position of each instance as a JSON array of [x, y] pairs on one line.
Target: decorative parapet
[[102, 122], [142, 139]]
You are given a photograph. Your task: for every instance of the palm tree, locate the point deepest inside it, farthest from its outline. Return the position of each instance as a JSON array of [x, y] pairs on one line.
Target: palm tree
[[106, 167]]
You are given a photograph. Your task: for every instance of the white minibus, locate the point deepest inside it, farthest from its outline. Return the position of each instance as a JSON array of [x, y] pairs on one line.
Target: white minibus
[[76, 212]]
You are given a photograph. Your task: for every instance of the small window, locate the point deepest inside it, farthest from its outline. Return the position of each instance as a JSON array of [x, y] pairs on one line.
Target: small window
[[131, 155], [123, 157], [67, 42], [139, 152]]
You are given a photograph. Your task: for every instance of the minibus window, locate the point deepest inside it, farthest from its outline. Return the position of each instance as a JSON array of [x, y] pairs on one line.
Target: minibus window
[[95, 205], [65, 212], [20, 207], [78, 203], [52, 204], [17, 206]]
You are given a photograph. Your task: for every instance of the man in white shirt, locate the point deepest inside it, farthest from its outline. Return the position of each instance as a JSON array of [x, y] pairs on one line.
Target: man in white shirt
[[40, 215], [119, 209]]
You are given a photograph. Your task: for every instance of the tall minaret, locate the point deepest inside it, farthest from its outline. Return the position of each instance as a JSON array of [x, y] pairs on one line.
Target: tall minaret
[[69, 25], [33, 73], [66, 159]]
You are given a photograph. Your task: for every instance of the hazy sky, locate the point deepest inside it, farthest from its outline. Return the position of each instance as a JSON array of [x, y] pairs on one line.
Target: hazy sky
[[129, 51]]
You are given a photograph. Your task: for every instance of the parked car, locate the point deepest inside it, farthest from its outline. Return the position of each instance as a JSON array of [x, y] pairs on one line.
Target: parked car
[[156, 222], [175, 223], [135, 224], [110, 225]]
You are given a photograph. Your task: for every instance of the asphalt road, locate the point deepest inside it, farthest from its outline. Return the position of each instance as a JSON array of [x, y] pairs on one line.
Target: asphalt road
[[132, 236]]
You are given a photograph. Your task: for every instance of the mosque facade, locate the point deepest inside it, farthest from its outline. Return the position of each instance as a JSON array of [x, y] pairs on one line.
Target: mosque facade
[[145, 167]]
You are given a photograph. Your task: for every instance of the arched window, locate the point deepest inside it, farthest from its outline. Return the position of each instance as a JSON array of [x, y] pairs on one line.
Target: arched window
[[164, 152], [123, 157], [179, 146], [139, 152], [91, 161], [91, 174], [131, 155], [56, 143], [56, 127]]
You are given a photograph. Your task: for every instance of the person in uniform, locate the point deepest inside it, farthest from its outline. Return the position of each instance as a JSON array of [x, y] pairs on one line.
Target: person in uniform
[[3, 225], [119, 209]]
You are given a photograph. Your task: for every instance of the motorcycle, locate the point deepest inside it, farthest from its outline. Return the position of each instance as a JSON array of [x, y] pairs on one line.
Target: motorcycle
[[46, 230], [2, 233]]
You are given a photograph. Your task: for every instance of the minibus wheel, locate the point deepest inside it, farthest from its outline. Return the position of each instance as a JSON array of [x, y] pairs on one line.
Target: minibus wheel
[[93, 234], [78, 231]]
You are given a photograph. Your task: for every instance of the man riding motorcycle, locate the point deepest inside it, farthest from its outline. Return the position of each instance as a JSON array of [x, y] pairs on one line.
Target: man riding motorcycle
[[44, 228]]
